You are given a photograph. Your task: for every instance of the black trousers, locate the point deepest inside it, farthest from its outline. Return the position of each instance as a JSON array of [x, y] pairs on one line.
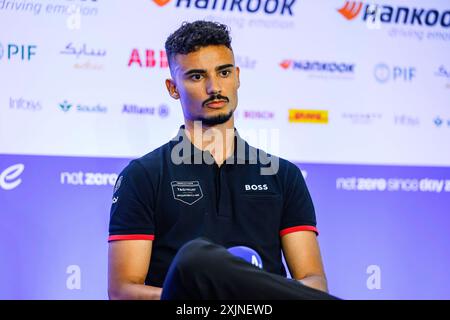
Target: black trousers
[[202, 270]]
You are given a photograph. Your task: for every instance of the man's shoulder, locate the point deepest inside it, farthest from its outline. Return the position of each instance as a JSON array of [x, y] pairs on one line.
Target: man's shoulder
[[155, 156], [150, 162]]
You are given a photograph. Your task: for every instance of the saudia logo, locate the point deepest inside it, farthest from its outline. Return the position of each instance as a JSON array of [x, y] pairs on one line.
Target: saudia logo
[[398, 15], [66, 106], [281, 7]]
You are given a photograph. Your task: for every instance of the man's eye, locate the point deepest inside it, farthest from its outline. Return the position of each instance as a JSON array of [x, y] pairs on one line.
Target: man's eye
[[196, 77], [225, 73]]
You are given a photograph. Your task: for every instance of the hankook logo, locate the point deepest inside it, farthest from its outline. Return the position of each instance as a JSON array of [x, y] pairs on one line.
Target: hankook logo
[[268, 7]]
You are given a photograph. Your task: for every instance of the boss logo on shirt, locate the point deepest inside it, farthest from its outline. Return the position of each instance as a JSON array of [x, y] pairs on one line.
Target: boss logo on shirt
[[256, 187], [187, 192]]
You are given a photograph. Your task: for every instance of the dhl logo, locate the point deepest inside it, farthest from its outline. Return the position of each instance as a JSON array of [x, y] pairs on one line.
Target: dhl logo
[[350, 9], [308, 116]]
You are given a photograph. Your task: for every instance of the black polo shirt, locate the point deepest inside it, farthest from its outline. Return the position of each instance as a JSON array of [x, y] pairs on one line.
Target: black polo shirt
[[177, 193]]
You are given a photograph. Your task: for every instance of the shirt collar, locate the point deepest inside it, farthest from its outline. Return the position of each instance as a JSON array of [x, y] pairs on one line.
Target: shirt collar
[[243, 152]]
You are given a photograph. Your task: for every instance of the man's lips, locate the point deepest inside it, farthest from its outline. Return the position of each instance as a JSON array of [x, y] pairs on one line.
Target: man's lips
[[216, 103]]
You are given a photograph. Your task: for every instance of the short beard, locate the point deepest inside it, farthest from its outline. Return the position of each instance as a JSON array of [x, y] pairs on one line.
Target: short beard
[[215, 120]]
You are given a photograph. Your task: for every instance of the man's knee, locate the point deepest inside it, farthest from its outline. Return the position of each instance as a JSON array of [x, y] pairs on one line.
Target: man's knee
[[193, 256]]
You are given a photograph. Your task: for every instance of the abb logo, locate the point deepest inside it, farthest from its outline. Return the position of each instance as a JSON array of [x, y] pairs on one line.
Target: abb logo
[[148, 58], [350, 9]]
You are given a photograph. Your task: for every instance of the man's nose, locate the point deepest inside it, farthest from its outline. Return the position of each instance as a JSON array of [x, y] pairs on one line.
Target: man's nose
[[213, 86]]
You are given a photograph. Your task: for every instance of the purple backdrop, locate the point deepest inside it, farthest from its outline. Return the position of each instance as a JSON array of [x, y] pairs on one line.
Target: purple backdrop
[[387, 243]]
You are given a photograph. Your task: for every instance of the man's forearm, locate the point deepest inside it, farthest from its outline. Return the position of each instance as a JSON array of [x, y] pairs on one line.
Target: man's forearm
[[132, 291], [316, 282]]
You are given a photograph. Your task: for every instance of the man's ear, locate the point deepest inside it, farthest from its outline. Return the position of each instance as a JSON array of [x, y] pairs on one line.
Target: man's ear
[[172, 89], [237, 75]]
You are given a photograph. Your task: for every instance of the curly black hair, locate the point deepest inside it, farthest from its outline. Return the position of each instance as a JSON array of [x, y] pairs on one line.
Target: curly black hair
[[191, 36]]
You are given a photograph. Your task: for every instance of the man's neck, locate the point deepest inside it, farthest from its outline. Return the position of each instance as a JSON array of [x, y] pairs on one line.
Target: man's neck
[[217, 139]]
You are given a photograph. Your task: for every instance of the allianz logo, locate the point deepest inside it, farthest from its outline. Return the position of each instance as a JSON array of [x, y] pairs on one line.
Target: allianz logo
[[10, 177], [162, 110], [88, 178]]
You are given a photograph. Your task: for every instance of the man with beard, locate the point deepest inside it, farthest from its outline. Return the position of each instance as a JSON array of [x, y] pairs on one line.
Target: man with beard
[[188, 217]]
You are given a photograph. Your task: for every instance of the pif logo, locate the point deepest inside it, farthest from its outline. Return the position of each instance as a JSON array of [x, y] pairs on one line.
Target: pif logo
[[308, 116], [13, 51], [384, 73]]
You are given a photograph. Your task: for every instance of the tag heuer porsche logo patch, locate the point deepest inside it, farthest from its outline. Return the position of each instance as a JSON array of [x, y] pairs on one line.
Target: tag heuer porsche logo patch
[[187, 192]]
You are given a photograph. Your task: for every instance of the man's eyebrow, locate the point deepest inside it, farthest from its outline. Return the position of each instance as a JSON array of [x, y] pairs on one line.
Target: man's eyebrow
[[225, 66], [194, 71], [202, 71]]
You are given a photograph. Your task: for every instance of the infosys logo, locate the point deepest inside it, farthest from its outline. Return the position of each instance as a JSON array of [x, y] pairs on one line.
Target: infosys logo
[[269, 7], [24, 104], [308, 116], [318, 66], [10, 177], [404, 15]]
